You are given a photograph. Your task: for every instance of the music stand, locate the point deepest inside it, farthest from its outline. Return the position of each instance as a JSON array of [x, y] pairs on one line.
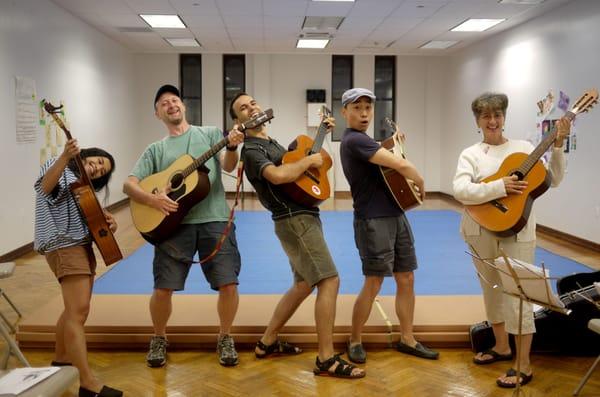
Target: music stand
[[525, 282]]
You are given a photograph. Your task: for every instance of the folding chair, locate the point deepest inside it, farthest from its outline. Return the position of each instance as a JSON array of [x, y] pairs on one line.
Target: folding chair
[[11, 348], [6, 270], [594, 325]]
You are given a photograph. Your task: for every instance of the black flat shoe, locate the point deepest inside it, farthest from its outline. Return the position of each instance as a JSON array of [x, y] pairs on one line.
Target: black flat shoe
[[60, 364], [105, 392], [419, 350]]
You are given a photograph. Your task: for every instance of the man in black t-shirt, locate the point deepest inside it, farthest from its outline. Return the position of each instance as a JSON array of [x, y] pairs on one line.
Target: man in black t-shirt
[[381, 231], [300, 233]]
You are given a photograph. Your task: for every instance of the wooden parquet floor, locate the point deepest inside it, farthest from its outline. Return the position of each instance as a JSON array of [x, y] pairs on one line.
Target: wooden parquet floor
[[198, 373]]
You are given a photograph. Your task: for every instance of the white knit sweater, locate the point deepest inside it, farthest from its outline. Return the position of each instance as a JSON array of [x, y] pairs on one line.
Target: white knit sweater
[[481, 160]]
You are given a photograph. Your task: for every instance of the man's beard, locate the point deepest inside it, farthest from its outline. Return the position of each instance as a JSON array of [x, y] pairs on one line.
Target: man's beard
[[176, 121]]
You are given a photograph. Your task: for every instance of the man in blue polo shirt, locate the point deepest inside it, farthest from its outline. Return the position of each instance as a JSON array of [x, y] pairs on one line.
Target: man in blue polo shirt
[[381, 231]]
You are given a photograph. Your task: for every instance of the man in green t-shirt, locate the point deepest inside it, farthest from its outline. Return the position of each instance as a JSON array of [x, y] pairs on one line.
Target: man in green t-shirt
[[199, 231]]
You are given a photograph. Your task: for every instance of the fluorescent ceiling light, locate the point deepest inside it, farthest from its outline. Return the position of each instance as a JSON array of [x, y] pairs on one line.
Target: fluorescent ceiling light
[[307, 43], [163, 21], [438, 44], [476, 25], [183, 42]]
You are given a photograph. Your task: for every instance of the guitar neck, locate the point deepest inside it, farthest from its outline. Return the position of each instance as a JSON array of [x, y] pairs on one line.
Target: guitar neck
[[83, 174], [539, 151], [204, 157], [319, 139], [258, 120]]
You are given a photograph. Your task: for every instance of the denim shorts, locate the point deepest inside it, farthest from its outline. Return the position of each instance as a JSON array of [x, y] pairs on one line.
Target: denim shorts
[[173, 257]]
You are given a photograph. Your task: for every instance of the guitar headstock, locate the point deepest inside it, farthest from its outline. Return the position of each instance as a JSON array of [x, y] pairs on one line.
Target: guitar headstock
[[259, 119], [325, 112], [392, 124], [51, 109], [585, 102]]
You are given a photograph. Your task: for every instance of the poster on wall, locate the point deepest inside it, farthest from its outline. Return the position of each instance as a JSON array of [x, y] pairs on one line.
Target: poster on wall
[[54, 137], [25, 110], [549, 112]]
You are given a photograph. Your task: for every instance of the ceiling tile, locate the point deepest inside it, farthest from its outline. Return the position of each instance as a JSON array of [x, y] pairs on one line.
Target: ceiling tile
[[150, 6], [195, 7]]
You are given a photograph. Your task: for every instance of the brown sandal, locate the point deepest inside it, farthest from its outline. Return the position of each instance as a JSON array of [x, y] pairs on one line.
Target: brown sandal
[[342, 370]]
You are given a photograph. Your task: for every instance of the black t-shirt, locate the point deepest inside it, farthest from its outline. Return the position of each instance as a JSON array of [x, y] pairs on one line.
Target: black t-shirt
[[369, 192], [258, 153]]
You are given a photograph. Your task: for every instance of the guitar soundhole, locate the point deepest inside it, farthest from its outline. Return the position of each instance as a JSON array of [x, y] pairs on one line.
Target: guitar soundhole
[[176, 181], [519, 175]]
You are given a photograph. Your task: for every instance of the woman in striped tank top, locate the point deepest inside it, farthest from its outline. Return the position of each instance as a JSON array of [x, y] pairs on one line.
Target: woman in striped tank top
[[63, 237]]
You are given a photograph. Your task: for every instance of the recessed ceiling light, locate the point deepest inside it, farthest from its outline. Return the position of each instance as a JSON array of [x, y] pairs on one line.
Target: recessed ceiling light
[[183, 42], [438, 44], [476, 25], [163, 21], [308, 43]]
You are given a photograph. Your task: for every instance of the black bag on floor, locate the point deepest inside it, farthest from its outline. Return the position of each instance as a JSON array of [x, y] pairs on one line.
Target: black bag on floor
[[481, 336]]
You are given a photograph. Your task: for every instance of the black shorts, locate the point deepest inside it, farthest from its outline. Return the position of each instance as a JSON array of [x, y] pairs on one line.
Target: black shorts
[[386, 245], [173, 257]]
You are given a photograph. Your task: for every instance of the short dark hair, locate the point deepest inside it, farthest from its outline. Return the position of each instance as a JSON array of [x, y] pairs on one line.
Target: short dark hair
[[235, 98], [490, 101]]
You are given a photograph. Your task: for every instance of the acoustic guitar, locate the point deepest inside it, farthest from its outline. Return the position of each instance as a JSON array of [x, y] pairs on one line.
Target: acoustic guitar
[[506, 216], [186, 181], [402, 190], [312, 187], [88, 202]]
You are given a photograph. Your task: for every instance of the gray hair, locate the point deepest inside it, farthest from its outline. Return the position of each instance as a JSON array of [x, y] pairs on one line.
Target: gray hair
[[489, 101]]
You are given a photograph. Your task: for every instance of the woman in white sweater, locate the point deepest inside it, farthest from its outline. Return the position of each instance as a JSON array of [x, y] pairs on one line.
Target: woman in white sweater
[[476, 163]]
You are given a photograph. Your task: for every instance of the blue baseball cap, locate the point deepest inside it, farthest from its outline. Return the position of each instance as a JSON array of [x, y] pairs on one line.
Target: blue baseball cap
[[352, 95]]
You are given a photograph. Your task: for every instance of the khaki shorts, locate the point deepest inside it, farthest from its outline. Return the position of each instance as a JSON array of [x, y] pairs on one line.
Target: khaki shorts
[[499, 307], [71, 261], [302, 239]]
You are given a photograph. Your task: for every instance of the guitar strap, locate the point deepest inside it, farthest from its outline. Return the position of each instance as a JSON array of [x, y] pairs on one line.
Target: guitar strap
[[238, 184], [224, 234]]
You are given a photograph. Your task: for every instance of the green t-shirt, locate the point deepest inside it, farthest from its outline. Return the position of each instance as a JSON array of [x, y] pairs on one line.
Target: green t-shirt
[[195, 142]]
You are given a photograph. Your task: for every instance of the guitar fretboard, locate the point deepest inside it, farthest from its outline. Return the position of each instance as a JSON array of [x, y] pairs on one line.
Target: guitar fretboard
[[320, 138], [539, 151], [204, 157]]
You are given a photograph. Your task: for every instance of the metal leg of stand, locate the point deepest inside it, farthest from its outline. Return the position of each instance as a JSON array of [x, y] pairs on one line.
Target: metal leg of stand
[[586, 377], [517, 391], [12, 348], [10, 303], [12, 328]]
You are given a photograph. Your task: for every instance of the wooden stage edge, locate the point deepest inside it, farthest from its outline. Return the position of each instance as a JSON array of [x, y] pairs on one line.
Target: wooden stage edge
[[123, 321]]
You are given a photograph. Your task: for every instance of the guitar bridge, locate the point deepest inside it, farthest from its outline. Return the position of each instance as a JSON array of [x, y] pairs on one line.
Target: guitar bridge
[[312, 177], [499, 205]]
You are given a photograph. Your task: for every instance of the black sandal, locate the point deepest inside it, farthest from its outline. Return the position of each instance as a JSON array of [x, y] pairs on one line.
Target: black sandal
[[524, 379], [277, 348], [495, 356], [342, 370]]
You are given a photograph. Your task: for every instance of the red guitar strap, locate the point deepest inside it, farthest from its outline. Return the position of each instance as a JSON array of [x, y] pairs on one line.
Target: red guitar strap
[[238, 184]]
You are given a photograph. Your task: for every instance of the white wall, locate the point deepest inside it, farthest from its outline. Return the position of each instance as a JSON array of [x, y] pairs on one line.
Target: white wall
[[280, 81], [556, 51], [70, 61]]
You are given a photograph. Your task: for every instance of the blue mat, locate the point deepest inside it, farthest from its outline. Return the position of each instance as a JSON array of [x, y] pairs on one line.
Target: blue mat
[[444, 267]]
